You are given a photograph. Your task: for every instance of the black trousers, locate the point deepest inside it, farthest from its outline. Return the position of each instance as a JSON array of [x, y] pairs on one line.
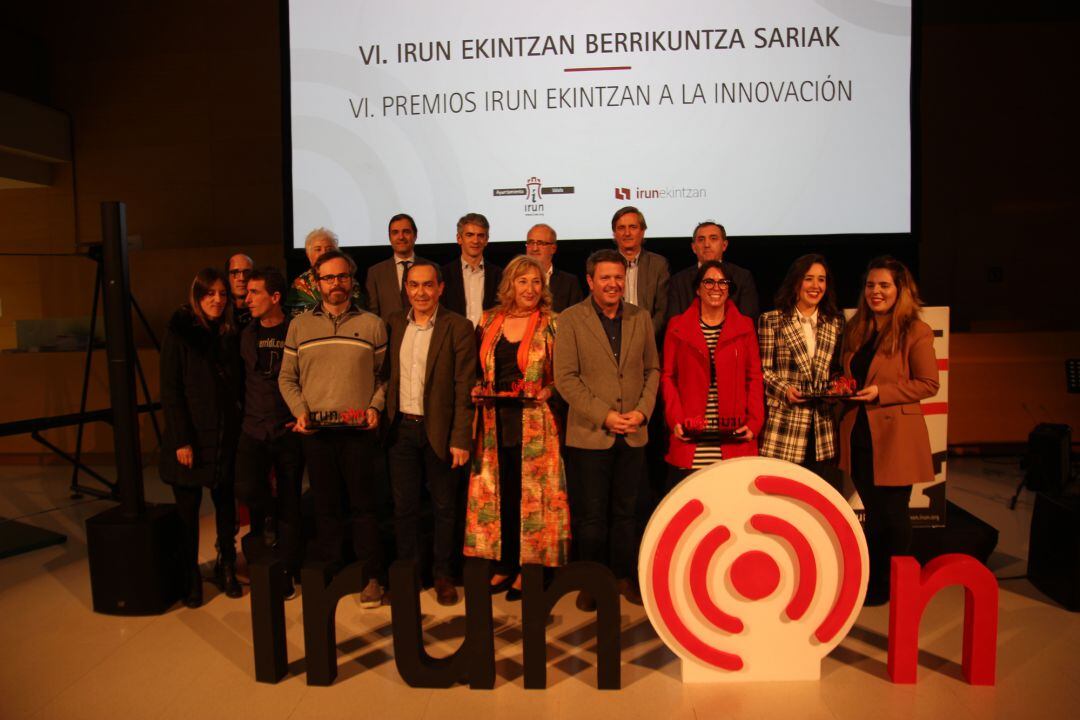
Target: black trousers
[[888, 523], [603, 488], [344, 489], [414, 463], [254, 460], [510, 510], [188, 500]]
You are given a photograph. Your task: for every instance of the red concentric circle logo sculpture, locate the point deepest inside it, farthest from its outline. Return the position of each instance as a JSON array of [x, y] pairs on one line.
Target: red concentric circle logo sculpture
[[753, 569]]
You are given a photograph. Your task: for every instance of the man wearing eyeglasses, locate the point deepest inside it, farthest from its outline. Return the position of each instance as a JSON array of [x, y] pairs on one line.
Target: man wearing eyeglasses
[[709, 242], [265, 440], [565, 288], [239, 269], [332, 380]]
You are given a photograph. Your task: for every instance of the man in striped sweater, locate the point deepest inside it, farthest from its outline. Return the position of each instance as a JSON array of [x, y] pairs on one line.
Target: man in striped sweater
[[331, 378]]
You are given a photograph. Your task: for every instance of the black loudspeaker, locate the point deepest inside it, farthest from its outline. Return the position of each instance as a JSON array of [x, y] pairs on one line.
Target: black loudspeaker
[[1054, 549], [134, 563], [1047, 461]]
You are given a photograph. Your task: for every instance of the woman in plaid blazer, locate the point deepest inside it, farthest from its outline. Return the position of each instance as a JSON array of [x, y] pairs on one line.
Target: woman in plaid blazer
[[800, 353]]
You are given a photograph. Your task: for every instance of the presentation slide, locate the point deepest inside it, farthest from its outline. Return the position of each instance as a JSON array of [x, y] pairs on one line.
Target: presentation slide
[[788, 117]]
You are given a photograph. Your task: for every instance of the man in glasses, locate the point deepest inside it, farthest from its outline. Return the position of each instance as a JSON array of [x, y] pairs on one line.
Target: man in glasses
[[709, 242], [266, 440], [565, 288], [331, 379], [239, 269]]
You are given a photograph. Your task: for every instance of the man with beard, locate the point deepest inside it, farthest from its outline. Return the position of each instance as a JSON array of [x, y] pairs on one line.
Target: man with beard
[[331, 378]]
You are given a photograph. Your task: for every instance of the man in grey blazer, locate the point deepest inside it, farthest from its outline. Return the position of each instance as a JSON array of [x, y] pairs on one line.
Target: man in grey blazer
[[432, 353], [385, 285], [540, 243], [646, 273], [709, 242], [607, 370]]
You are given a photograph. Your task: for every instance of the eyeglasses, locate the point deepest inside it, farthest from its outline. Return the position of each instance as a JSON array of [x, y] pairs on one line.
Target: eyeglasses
[[237, 271], [538, 243], [341, 278], [713, 283]]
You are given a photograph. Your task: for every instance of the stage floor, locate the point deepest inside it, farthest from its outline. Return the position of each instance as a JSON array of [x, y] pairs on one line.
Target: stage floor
[[60, 660]]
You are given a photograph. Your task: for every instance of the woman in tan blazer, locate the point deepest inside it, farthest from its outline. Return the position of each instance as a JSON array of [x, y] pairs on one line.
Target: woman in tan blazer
[[884, 443]]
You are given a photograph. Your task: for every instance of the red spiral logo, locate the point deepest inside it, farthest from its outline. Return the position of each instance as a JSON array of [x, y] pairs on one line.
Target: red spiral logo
[[720, 547]]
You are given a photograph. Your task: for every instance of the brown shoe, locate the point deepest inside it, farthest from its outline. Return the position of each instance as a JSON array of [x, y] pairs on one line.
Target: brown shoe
[[371, 595], [445, 592], [629, 590], [585, 601]]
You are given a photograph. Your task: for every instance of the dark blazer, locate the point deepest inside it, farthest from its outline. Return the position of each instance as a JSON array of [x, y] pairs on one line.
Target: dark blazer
[[201, 393], [592, 383], [681, 290], [897, 428], [652, 288], [448, 379], [565, 290], [383, 289], [453, 296], [786, 362]]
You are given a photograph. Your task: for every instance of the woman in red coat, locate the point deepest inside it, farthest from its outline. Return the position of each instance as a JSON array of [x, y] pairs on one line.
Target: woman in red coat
[[712, 378]]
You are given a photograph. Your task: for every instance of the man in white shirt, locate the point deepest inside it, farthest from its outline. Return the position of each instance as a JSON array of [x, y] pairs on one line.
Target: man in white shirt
[[472, 284], [432, 353], [646, 273], [385, 286]]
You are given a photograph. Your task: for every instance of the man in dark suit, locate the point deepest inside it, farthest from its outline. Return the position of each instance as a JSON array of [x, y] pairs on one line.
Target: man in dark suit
[[385, 285], [428, 405], [709, 243], [472, 285], [646, 273], [565, 288], [607, 370]]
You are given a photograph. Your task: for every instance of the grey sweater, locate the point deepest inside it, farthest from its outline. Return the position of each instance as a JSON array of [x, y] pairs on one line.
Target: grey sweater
[[334, 364]]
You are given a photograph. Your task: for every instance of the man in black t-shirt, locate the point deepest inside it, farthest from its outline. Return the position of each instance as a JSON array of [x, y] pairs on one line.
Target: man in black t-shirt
[[266, 440]]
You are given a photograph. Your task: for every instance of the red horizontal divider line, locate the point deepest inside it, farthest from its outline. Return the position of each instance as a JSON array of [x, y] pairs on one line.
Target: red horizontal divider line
[[595, 69], [939, 408]]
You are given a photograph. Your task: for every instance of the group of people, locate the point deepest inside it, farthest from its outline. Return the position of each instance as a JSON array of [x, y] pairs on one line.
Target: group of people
[[524, 407]]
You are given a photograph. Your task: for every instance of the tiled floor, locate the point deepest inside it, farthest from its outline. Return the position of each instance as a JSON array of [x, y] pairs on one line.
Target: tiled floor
[[60, 660]]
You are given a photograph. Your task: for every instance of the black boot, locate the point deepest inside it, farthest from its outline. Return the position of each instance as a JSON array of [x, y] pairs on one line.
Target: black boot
[[194, 596], [229, 584]]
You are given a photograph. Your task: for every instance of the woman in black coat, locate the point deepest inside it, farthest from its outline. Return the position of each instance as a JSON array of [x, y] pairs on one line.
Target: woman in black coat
[[201, 385]]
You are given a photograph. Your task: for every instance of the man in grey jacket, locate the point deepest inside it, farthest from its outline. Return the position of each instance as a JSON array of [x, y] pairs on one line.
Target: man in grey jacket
[[607, 369], [331, 379]]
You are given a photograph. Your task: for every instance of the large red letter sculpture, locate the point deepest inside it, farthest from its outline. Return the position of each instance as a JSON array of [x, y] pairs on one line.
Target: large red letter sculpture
[[912, 588]]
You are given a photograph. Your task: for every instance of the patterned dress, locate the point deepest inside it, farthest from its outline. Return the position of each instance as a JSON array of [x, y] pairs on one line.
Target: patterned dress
[[304, 294], [545, 515]]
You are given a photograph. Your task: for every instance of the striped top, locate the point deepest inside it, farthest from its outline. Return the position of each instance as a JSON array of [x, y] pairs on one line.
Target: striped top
[[707, 453], [334, 364]]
